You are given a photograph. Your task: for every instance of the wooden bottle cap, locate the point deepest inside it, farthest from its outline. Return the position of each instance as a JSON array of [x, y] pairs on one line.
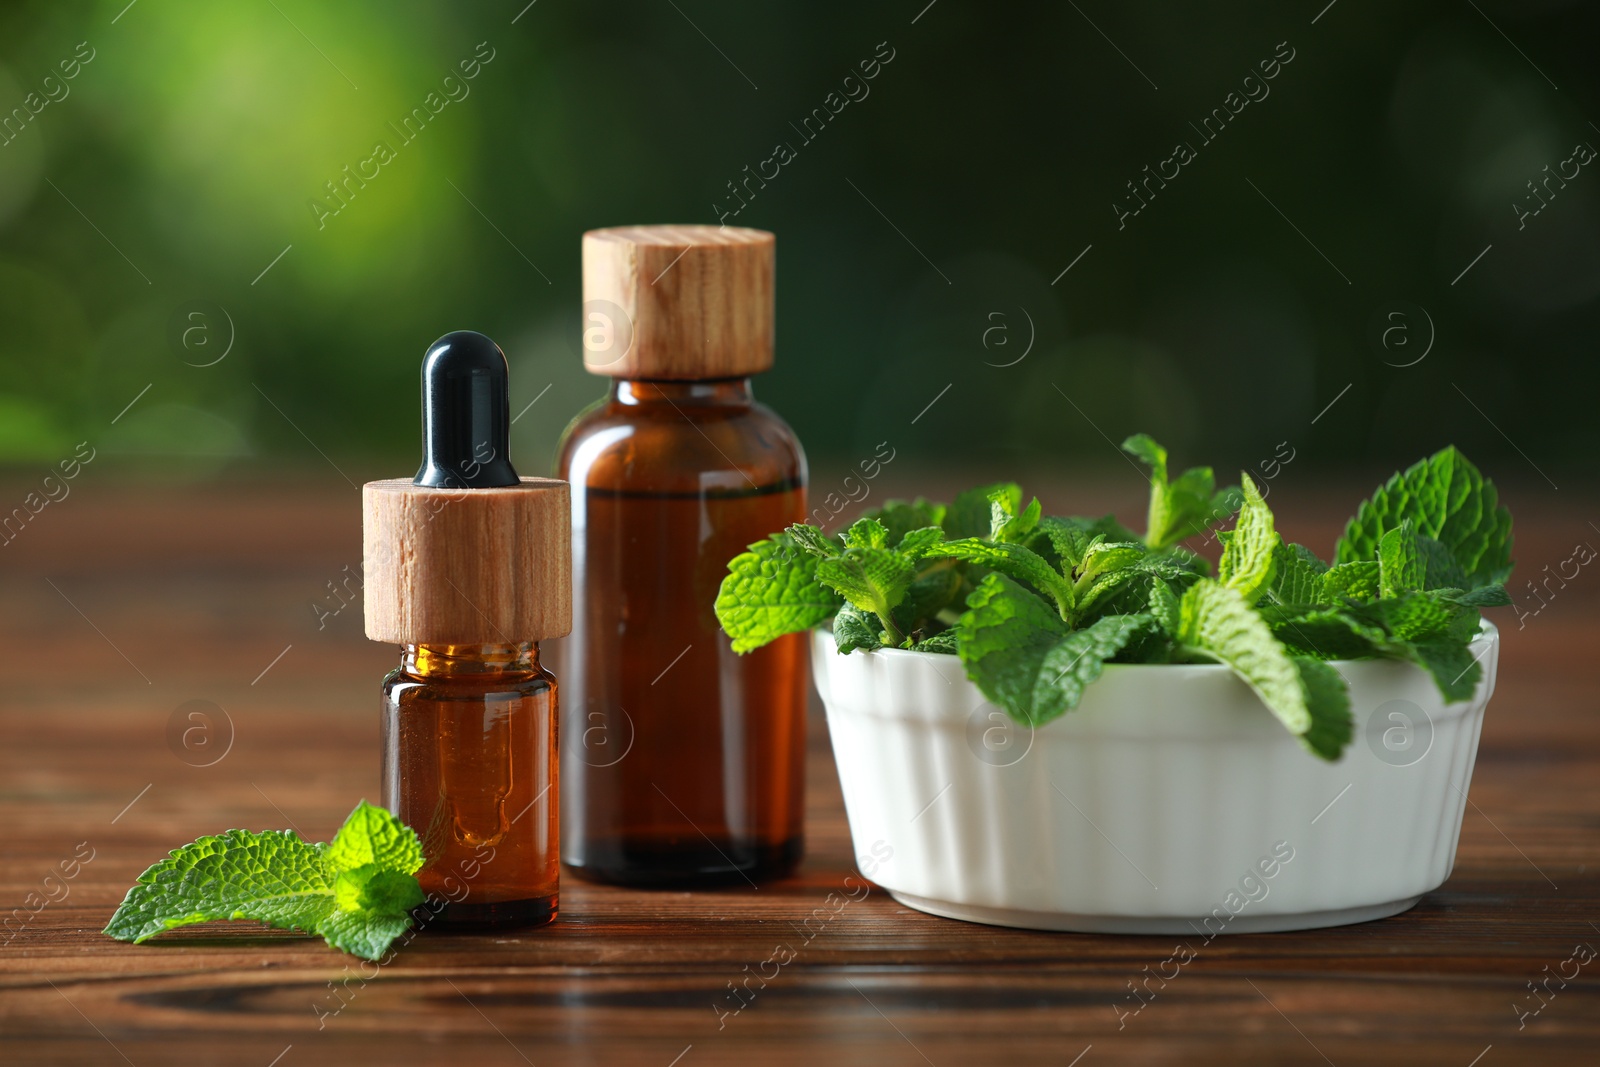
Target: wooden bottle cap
[[467, 566], [677, 302]]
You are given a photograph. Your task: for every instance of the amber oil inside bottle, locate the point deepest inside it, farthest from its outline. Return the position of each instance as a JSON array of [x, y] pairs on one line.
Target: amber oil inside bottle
[[470, 742], [683, 763]]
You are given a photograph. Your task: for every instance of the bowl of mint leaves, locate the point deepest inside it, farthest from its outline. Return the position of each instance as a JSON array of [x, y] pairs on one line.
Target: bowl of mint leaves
[[1058, 723]]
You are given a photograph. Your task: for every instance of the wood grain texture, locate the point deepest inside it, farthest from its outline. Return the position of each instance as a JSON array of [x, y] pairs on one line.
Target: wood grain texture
[[467, 566], [697, 301], [136, 628]]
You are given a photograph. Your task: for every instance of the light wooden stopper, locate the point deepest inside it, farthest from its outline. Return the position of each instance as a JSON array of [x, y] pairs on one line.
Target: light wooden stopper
[[467, 566], [677, 302]]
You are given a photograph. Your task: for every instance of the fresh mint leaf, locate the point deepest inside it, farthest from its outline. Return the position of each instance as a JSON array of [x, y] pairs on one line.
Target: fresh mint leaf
[[1356, 580], [1144, 448], [368, 933], [1022, 657], [1104, 556], [1451, 663], [1180, 508], [1448, 500], [1123, 591], [1485, 596], [371, 837], [1006, 523], [1021, 563], [856, 629], [806, 539], [1400, 564], [866, 533], [1330, 633], [1416, 616], [1068, 540], [1439, 567], [1328, 701], [272, 877], [1218, 622], [357, 892], [873, 579], [772, 589], [1004, 636], [1249, 555], [944, 641], [1165, 608], [1074, 662], [1429, 628], [915, 544], [971, 513], [900, 517], [933, 590], [1297, 576], [771, 594]]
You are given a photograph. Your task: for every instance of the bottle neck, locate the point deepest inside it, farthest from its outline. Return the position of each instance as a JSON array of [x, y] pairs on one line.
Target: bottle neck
[[705, 393], [470, 661]]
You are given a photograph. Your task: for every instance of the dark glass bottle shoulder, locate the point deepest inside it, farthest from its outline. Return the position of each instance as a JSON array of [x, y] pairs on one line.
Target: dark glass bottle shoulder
[[700, 438], [403, 686]]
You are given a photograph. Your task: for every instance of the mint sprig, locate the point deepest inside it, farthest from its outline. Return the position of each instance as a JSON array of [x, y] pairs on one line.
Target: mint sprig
[[357, 891], [1181, 508], [1035, 605], [771, 590], [1446, 499]]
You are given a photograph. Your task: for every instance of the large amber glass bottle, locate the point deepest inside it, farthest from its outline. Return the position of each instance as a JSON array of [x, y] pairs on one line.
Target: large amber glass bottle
[[682, 762]]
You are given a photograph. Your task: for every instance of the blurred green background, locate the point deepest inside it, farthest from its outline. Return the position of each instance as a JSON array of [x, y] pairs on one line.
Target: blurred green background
[[923, 234]]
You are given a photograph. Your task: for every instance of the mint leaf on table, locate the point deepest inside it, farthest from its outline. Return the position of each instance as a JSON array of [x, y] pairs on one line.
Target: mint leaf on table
[[1182, 508], [357, 892], [1022, 656], [771, 590], [1249, 556], [1448, 500], [1219, 623]]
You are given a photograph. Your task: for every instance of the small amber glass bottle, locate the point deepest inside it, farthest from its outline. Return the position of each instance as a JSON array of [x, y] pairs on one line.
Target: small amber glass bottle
[[683, 763], [468, 566], [469, 752]]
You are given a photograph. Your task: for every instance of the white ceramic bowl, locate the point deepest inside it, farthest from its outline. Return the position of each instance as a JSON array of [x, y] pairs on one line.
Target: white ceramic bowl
[[1170, 801]]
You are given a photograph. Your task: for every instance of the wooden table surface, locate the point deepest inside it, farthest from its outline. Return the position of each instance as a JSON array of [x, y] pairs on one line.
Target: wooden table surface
[[116, 607]]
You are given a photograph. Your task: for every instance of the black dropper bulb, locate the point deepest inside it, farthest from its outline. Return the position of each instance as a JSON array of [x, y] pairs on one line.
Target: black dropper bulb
[[466, 414]]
